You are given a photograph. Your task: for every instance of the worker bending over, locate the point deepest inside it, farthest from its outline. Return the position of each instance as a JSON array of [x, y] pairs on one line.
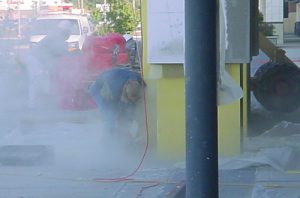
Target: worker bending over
[[118, 92]]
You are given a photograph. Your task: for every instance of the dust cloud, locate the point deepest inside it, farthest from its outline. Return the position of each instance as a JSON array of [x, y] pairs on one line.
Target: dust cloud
[[38, 106]]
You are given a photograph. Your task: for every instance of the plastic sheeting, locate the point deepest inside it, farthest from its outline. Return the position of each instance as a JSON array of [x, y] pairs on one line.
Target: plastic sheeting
[[228, 89], [274, 159], [278, 158]]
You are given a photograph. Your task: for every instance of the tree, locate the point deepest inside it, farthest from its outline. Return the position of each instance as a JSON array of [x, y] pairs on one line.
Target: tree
[[96, 16], [265, 28], [121, 18]]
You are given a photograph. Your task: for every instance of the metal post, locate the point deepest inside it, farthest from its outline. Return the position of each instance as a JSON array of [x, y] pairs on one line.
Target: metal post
[[133, 4], [105, 10], [201, 98], [82, 8]]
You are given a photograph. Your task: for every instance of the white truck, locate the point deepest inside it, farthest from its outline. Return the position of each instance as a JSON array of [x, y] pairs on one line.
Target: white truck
[[80, 28]]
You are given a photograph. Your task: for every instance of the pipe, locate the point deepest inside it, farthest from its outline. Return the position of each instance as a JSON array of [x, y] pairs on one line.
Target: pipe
[[201, 98]]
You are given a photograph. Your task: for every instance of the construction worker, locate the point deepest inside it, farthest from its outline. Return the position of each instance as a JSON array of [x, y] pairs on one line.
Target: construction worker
[[40, 64], [117, 92]]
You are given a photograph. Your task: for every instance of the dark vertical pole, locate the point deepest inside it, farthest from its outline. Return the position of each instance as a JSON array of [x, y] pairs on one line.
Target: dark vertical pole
[[254, 18], [201, 98]]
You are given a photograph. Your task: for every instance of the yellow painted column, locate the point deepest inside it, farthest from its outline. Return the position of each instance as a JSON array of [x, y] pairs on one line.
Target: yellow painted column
[[166, 110], [171, 118], [233, 117], [165, 103], [168, 119]]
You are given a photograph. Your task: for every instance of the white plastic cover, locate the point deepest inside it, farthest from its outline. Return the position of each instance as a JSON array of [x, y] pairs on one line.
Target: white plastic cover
[[228, 89]]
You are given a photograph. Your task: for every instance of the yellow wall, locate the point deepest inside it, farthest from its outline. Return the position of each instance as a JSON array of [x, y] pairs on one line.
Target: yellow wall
[[170, 117], [166, 110], [232, 118]]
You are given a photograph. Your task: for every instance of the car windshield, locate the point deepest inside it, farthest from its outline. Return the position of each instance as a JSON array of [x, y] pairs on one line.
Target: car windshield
[[44, 26]]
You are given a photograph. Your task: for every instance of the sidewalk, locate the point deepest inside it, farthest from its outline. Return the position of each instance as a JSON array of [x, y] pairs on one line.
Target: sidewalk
[[87, 164], [269, 167]]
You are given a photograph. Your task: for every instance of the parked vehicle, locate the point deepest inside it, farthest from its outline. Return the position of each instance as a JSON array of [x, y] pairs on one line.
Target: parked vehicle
[[79, 26]]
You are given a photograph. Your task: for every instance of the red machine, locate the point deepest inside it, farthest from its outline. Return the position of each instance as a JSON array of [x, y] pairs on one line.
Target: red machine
[[76, 72]]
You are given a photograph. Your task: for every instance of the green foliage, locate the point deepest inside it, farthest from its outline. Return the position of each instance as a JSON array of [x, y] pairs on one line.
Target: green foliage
[[121, 18], [96, 16], [103, 29], [265, 28]]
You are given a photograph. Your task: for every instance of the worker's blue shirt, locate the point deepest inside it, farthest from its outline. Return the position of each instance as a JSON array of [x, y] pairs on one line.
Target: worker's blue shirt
[[115, 79]]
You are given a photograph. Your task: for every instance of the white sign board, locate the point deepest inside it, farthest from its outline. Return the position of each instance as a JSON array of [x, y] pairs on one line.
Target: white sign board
[[166, 31], [274, 11]]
